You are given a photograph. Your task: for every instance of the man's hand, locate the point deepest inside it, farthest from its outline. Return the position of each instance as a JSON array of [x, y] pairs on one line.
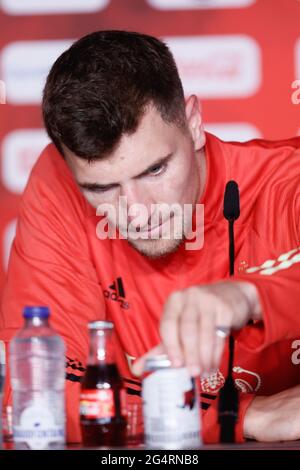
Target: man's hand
[[191, 317], [274, 418]]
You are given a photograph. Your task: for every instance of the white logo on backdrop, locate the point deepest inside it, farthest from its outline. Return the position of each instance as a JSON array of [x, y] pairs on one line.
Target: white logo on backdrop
[[218, 66], [198, 4], [8, 238], [25, 66], [233, 131], [20, 150], [31, 7]]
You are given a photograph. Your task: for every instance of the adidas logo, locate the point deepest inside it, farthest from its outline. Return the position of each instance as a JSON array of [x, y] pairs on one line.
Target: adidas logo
[[116, 292]]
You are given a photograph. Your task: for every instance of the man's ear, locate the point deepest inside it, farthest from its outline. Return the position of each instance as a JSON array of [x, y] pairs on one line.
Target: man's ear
[[194, 121]]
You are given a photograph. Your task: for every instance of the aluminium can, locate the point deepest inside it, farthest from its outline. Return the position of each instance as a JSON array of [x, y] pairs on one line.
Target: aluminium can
[[172, 418]]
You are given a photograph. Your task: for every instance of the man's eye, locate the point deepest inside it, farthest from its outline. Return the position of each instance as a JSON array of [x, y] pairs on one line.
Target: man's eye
[[102, 190], [156, 170], [99, 190]]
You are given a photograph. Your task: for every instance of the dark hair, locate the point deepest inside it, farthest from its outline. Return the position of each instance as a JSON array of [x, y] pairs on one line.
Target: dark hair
[[99, 88]]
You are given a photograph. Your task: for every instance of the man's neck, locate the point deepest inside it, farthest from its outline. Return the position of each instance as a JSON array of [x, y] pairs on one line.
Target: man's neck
[[202, 165]]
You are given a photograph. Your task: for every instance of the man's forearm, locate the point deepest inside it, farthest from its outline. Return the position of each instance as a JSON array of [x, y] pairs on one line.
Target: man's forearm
[[253, 416], [275, 417]]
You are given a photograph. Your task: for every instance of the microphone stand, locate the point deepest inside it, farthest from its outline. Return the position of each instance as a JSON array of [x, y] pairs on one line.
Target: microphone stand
[[229, 397]]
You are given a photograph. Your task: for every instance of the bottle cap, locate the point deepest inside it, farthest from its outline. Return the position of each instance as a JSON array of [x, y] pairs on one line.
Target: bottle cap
[[100, 325], [36, 311]]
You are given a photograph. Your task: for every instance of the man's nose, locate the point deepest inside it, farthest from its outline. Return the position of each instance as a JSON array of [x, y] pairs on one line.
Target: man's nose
[[138, 204]]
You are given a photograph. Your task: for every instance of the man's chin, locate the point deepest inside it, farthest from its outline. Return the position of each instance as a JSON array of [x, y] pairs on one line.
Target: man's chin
[[155, 249]]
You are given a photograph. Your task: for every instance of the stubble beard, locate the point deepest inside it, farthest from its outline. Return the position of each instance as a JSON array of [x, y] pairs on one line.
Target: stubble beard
[[162, 247]]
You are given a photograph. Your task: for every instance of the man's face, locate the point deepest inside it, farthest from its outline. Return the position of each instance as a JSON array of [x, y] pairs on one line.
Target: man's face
[[157, 166]]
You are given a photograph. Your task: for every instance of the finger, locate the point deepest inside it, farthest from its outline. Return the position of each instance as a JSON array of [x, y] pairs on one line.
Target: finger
[[218, 351], [188, 333], [223, 319], [169, 328], [139, 365], [206, 342]]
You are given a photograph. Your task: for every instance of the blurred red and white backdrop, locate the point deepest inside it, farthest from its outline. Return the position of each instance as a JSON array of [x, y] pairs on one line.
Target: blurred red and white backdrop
[[241, 57]]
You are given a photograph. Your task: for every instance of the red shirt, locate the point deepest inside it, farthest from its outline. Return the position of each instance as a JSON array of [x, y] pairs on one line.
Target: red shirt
[[57, 260]]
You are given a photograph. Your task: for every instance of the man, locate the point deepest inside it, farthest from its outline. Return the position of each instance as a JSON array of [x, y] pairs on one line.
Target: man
[[115, 110]]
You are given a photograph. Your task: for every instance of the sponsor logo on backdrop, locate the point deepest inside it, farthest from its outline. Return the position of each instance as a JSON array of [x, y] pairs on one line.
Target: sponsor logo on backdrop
[[236, 131], [31, 7], [218, 66], [25, 66], [8, 237], [198, 4], [20, 150]]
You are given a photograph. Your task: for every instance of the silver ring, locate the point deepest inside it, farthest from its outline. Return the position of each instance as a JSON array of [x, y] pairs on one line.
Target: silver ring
[[222, 331]]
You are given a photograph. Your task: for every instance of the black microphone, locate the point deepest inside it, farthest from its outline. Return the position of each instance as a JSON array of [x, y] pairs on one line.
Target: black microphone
[[231, 211], [231, 207], [229, 397]]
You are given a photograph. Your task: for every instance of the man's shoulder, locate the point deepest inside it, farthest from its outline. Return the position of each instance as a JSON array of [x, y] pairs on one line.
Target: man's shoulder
[[277, 187], [50, 165], [263, 147], [51, 182], [267, 144], [279, 169], [262, 160], [267, 172]]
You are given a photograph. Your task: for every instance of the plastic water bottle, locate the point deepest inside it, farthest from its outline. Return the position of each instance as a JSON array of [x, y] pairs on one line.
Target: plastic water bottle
[[37, 362]]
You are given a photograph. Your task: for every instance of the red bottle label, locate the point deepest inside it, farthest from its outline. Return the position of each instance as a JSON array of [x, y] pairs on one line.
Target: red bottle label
[[95, 404], [123, 401]]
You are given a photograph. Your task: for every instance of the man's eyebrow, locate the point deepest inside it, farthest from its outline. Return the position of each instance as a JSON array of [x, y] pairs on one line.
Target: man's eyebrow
[[103, 187], [160, 161]]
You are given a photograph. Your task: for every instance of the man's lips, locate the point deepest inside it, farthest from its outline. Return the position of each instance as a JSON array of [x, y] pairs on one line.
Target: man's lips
[[157, 228], [146, 231], [151, 229]]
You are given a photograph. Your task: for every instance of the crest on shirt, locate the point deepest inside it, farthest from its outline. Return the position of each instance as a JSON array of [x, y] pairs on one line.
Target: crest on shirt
[[245, 380], [213, 382]]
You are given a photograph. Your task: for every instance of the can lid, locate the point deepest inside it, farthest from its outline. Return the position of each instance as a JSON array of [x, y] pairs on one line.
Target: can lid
[[36, 311], [100, 325], [161, 361]]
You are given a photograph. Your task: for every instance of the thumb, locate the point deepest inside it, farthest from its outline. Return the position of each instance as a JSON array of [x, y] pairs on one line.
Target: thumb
[[139, 365]]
